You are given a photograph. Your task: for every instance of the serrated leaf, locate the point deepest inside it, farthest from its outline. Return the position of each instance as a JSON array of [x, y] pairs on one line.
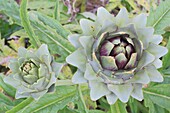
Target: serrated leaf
[[159, 95], [51, 103], [159, 18]]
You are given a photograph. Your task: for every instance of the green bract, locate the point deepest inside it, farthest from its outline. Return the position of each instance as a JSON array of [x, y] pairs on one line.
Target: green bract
[[116, 55], [33, 72]]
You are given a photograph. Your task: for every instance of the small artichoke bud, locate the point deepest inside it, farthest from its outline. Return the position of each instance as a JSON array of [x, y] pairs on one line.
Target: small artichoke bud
[[116, 55], [33, 72]]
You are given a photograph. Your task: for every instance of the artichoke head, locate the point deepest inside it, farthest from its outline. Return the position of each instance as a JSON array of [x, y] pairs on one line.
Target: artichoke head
[[33, 72], [116, 55]]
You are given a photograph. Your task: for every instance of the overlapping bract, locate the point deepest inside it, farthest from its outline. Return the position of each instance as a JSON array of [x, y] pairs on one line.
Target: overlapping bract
[[33, 72], [116, 55]]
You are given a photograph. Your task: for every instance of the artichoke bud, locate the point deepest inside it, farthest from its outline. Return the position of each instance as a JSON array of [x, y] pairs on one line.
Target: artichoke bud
[[117, 56], [32, 73], [118, 53]]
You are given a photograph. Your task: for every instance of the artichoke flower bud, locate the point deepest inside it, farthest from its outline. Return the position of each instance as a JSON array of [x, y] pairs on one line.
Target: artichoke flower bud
[[33, 72], [116, 55], [30, 72]]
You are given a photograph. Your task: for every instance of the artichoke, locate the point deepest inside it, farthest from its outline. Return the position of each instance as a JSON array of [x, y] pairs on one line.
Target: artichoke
[[116, 55], [33, 72]]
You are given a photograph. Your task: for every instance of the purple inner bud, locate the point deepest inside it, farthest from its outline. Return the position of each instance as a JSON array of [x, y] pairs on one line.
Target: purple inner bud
[[120, 48], [106, 48]]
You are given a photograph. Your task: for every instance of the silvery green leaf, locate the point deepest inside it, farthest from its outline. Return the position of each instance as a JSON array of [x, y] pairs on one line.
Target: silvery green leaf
[[137, 92], [77, 59], [102, 12], [123, 92], [90, 74], [111, 98], [156, 39], [140, 77], [140, 20], [74, 40], [97, 89], [157, 50], [154, 74], [87, 43], [78, 77], [146, 59], [122, 18], [143, 34]]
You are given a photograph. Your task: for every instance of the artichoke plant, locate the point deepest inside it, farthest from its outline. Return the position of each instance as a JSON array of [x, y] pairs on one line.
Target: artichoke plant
[[33, 72], [116, 55]]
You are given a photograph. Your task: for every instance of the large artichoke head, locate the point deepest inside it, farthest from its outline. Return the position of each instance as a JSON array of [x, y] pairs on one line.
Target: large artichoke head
[[33, 72], [116, 55]]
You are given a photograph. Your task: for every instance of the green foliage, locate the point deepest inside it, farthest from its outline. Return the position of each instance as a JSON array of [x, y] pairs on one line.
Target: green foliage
[[53, 102], [6, 100], [118, 107], [26, 24], [154, 108], [159, 18], [6, 29], [166, 58], [48, 22], [45, 29], [11, 9], [159, 95], [57, 11], [7, 88]]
